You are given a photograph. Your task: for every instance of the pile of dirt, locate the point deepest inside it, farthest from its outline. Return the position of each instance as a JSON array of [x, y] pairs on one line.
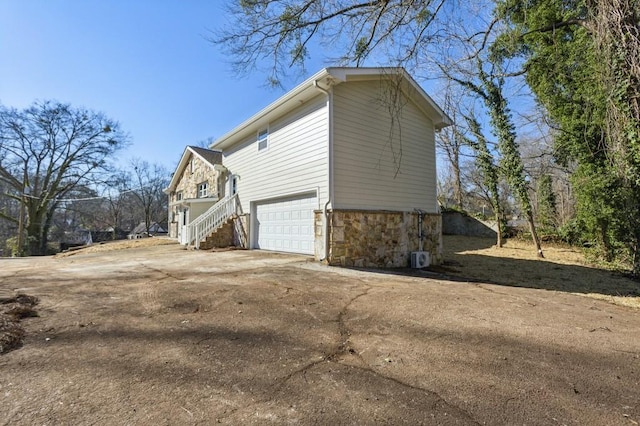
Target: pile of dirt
[[12, 310]]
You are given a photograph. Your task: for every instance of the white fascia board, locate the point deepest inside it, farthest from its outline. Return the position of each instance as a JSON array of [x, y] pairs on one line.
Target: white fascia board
[[178, 171], [181, 165], [189, 201], [297, 96], [428, 105]]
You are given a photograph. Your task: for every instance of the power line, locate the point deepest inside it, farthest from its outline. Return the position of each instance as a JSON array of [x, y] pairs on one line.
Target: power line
[[97, 197]]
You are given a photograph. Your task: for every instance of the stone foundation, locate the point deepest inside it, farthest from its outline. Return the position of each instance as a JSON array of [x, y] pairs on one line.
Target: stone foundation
[[220, 238], [173, 227], [379, 238], [232, 233]]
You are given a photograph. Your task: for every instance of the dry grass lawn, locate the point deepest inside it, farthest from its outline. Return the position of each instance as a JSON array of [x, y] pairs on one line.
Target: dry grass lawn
[[563, 269]]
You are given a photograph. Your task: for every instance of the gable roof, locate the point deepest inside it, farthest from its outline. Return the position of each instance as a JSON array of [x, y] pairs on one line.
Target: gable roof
[[321, 82], [209, 156]]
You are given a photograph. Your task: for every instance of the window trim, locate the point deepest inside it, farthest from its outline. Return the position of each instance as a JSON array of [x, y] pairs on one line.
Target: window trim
[[202, 189], [262, 137]]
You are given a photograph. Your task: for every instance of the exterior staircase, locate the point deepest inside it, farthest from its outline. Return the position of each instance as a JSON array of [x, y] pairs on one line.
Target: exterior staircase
[[215, 221]]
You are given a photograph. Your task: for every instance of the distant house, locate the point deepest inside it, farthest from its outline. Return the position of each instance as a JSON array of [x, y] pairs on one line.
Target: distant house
[[342, 167], [79, 237], [140, 230], [108, 234]]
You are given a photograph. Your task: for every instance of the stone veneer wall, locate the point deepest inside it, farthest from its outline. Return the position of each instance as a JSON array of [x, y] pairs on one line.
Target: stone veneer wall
[[189, 180], [380, 238]]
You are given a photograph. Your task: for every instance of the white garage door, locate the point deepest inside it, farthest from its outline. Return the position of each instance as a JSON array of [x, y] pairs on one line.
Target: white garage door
[[286, 224]]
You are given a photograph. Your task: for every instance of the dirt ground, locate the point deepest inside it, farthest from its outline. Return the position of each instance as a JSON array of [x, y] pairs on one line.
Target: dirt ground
[[156, 334]]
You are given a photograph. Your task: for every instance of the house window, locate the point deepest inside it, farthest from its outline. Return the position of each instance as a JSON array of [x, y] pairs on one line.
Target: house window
[[263, 139], [203, 189], [192, 166], [179, 196], [234, 185]]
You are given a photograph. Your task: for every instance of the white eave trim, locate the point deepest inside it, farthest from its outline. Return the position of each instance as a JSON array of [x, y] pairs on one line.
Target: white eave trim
[[188, 201], [294, 97], [307, 90]]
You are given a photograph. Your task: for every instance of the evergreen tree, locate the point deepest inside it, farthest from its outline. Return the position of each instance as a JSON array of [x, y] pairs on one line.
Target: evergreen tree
[[582, 61]]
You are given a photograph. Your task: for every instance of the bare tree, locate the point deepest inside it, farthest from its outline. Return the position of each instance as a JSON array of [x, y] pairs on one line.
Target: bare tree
[[419, 35], [449, 142], [9, 209], [280, 33], [114, 191], [485, 74], [150, 180], [46, 151]]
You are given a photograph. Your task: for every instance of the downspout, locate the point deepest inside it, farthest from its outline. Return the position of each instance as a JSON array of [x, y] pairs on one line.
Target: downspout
[[420, 233], [325, 211], [326, 230]]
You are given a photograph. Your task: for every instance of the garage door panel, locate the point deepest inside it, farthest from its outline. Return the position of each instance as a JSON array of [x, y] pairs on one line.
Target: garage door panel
[[286, 224]]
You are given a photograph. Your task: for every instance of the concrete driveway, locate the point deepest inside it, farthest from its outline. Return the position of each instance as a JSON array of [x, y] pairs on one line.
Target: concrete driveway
[[161, 335]]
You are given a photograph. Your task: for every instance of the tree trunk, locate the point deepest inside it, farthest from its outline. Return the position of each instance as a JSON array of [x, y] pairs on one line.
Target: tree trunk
[[457, 180], [499, 242], [604, 239], [33, 238], [36, 235], [534, 234]]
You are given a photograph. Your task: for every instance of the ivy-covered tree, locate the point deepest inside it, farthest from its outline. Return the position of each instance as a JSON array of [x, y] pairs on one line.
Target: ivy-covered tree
[[489, 169], [546, 202], [583, 64], [485, 74]]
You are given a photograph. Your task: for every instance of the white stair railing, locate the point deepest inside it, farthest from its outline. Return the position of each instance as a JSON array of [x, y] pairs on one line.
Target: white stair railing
[[208, 221]]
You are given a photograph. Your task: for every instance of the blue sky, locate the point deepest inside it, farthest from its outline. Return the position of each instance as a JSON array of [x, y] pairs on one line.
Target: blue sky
[[146, 64]]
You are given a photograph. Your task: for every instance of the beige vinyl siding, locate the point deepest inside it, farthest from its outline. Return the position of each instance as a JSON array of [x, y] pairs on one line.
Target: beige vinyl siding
[[371, 170], [196, 209], [295, 162]]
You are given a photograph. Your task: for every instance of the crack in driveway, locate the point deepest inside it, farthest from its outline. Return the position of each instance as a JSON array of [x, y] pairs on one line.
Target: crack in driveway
[[339, 355]]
